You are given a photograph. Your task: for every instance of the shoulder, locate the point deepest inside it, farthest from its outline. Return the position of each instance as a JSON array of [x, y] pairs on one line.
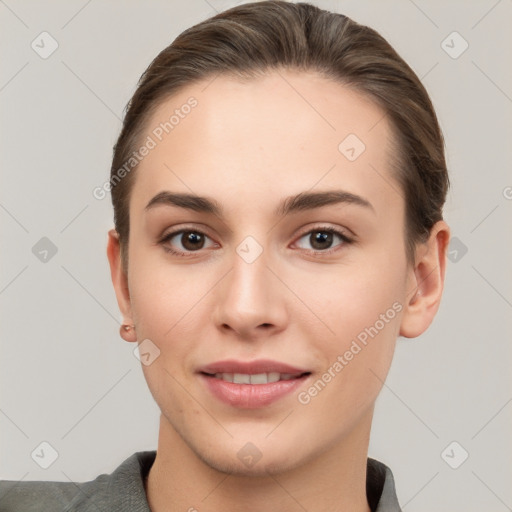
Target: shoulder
[[38, 495], [124, 486], [380, 487]]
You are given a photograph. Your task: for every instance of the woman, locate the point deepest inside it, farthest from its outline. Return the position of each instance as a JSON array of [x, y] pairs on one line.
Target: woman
[[278, 187]]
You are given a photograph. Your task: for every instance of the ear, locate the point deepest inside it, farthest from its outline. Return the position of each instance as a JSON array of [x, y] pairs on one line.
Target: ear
[[426, 282], [120, 282]]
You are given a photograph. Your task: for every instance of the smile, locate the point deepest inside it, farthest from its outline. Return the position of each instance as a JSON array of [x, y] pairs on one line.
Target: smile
[[258, 378]]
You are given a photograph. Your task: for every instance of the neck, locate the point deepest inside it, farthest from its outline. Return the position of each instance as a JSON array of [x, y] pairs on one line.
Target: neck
[[334, 480]]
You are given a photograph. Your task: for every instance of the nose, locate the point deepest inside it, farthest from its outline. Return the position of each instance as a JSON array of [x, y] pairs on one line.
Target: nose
[[250, 301]]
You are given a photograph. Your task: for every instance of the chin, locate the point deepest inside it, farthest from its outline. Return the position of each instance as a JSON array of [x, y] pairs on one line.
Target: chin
[[226, 463]]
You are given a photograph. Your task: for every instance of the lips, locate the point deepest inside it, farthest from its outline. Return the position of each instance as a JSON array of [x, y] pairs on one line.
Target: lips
[[252, 384]]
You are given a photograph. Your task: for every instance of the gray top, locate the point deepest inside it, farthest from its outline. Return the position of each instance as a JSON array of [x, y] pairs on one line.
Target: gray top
[[123, 490]]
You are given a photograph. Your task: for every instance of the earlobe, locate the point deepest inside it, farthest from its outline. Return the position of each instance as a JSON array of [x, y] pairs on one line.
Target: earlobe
[[128, 333], [426, 283], [120, 282]]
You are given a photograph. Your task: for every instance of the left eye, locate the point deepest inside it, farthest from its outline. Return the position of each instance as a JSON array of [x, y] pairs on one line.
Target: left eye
[[322, 239]]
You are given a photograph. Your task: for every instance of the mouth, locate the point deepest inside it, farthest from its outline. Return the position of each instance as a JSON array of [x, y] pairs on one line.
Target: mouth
[[251, 385]]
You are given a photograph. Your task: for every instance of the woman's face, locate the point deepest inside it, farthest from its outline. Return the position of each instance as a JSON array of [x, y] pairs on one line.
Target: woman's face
[[317, 284]]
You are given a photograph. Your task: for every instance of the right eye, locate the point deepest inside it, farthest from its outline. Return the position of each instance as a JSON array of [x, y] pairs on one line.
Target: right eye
[[187, 241]]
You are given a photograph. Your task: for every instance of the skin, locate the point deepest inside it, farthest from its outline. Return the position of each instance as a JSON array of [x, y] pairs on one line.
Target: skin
[[248, 146]]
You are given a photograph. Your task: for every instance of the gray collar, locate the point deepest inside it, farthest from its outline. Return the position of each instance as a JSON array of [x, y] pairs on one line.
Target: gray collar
[[123, 490], [129, 476]]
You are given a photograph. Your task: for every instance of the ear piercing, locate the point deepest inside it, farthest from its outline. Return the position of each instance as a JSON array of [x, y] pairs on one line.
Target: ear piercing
[[127, 328]]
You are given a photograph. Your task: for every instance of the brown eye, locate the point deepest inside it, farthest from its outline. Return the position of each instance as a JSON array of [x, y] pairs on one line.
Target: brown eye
[[323, 240], [185, 242], [320, 240], [192, 240]]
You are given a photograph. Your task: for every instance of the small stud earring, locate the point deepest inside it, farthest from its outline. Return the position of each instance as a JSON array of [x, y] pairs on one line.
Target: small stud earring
[[128, 328]]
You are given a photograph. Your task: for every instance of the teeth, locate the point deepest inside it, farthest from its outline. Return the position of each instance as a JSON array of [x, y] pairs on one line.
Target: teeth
[[241, 378], [258, 378], [273, 377]]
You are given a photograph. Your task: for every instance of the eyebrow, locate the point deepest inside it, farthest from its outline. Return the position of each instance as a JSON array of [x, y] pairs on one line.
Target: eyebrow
[[300, 202]]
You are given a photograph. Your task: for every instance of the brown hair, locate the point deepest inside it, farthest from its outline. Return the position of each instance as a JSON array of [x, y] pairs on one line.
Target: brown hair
[[248, 40]]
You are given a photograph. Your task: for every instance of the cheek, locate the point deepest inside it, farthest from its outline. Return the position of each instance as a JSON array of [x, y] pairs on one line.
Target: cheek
[[356, 358], [165, 297], [359, 307], [169, 310], [348, 298]]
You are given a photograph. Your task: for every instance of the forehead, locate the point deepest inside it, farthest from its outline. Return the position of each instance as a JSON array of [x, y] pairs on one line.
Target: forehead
[[279, 134]]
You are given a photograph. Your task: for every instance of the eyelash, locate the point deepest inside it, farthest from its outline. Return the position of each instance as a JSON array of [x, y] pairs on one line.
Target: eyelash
[[322, 229]]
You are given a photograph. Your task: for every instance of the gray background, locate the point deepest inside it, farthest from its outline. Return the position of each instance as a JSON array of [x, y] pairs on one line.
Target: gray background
[[66, 376]]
